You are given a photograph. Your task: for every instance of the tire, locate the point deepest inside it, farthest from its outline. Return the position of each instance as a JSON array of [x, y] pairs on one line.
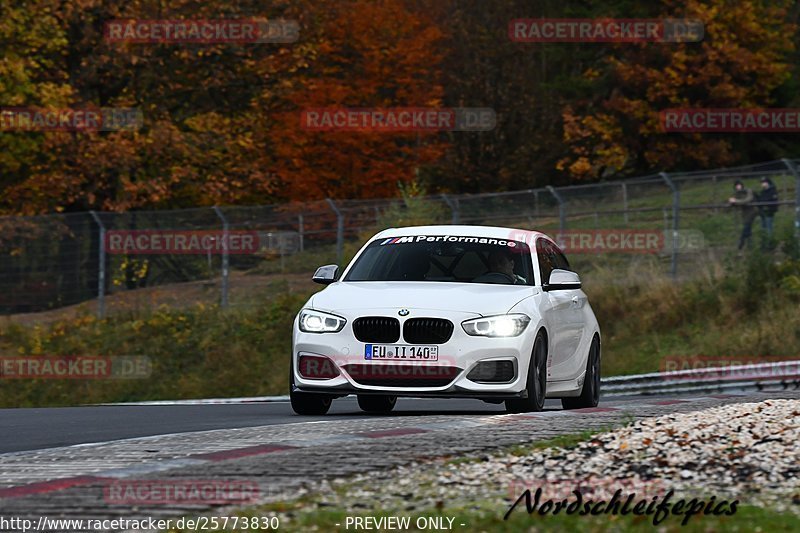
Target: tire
[[590, 393], [306, 403], [378, 404], [536, 383]]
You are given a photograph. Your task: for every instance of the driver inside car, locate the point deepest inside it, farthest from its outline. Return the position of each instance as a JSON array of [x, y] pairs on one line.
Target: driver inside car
[[501, 270]]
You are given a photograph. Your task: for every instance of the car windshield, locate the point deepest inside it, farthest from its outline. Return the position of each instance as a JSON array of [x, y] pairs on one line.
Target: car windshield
[[445, 259]]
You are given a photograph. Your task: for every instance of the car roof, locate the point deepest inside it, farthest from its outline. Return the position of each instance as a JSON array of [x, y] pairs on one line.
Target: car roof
[[497, 232]]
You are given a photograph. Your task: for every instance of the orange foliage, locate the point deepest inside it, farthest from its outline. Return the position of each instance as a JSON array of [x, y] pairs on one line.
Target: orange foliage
[[371, 55]]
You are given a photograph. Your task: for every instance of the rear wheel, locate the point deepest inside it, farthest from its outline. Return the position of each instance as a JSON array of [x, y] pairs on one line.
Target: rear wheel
[[377, 403], [536, 384], [590, 394], [307, 403]]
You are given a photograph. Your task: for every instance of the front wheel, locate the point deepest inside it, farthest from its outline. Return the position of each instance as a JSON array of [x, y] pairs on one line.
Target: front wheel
[[307, 403], [377, 404], [590, 393], [536, 385]]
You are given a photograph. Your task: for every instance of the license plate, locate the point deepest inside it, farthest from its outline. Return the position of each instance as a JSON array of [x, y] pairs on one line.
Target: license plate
[[401, 351]]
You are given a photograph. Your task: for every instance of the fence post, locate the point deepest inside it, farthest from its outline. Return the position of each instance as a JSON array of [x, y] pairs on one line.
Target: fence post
[[225, 257], [676, 210], [625, 202], [101, 267], [793, 169], [453, 205], [339, 231], [714, 193], [300, 230], [535, 206], [281, 247], [562, 210]]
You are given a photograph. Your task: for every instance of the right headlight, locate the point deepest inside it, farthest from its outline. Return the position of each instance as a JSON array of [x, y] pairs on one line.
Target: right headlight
[[311, 321], [496, 326]]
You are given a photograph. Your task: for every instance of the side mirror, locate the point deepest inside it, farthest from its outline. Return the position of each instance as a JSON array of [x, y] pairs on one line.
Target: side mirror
[[326, 274], [562, 280]]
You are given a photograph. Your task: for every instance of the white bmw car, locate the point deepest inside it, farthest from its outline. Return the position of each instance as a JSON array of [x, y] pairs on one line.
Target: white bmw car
[[450, 312]]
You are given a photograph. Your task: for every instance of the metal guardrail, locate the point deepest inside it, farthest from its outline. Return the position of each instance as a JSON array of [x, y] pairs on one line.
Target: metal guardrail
[[759, 376]]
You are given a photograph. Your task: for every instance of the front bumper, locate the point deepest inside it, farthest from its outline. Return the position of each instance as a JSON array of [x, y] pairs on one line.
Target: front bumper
[[445, 378], [455, 393]]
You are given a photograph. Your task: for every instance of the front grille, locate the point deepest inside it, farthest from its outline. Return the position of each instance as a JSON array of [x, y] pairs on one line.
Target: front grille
[[402, 375], [427, 330], [376, 329]]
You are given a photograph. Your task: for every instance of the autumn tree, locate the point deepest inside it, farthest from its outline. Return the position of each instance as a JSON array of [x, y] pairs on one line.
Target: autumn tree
[[222, 121], [376, 54], [527, 84], [742, 62], [30, 41], [197, 101]]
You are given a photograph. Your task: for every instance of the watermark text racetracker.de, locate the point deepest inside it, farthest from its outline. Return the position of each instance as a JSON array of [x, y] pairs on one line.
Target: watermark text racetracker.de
[[72, 120], [605, 30], [730, 367], [75, 367], [384, 363], [188, 242], [619, 241], [181, 492], [202, 31], [398, 119], [719, 120]]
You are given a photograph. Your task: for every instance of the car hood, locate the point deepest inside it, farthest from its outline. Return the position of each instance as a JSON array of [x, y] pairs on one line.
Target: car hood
[[477, 298]]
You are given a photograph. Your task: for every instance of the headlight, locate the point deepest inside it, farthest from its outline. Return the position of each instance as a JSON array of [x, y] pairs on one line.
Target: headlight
[[496, 326], [318, 322]]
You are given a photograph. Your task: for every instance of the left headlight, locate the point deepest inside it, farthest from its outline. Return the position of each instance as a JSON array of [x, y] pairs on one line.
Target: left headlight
[[318, 322], [496, 326]]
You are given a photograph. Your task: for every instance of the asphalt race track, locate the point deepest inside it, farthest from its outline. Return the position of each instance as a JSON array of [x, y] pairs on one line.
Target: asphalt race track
[[60, 462], [33, 429], [38, 428]]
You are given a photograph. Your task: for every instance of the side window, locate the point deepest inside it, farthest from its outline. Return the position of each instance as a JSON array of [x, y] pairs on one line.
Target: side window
[[550, 258], [561, 260], [545, 255]]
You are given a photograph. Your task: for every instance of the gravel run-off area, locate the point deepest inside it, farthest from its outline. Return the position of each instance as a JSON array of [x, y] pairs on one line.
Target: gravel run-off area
[[748, 452]]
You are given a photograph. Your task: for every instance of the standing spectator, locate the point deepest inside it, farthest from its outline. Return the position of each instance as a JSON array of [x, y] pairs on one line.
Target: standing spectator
[[743, 199], [767, 201]]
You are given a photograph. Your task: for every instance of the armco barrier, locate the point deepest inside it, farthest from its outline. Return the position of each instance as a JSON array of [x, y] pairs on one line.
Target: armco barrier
[[762, 376], [759, 376]]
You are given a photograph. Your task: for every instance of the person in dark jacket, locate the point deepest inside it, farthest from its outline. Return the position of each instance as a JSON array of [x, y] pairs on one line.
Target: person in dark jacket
[[767, 201], [743, 198]]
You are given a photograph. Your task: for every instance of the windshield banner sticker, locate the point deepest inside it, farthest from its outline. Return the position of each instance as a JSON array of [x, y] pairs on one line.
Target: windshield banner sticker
[[448, 238]]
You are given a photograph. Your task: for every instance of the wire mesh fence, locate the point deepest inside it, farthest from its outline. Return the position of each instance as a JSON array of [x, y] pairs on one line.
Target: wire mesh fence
[[105, 261]]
